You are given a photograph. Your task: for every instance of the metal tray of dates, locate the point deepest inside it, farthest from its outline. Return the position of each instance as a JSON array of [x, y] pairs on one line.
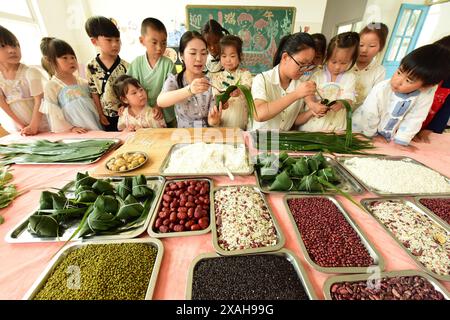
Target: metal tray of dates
[[430, 212], [373, 277], [341, 160], [366, 204], [20, 233], [177, 146], [156, 234], [348, 183], [289, 255], [280, 235], [374, 253], [40, 282]]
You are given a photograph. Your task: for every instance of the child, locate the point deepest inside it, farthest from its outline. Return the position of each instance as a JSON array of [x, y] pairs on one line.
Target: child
[[105, 68], [439, 114], [152, 68], [396, 108], [279, 92], [137, 113], [231, 54], [21, 89], [368, 70], [190, 90], [67, 100], [320, 42], [212, 31], [333, 82]]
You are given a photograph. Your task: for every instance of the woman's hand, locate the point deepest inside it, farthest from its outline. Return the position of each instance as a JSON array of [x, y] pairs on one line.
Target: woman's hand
[[199, 85], [307, 88], [215, 115], [337, 106], [319, 110], [29, 130]]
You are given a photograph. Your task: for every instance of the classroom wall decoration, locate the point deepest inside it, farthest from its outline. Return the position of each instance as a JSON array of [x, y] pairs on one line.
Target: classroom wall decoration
[[260, 29]]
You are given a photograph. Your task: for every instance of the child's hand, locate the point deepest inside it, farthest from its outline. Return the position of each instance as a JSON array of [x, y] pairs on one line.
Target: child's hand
[[215, 115], [423, 136], [318, 109], [130, 128], [235, 93], [199, 85], [29, 130], [120, 111], [104, 120], [307, 88], [337, 106], [157, 113], [78, 130]]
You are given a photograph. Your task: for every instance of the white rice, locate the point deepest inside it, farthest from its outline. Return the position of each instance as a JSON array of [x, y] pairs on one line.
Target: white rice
[[393, 176]]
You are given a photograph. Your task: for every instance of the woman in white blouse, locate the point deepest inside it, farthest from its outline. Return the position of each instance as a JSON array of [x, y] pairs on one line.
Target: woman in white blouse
[[279, 92]]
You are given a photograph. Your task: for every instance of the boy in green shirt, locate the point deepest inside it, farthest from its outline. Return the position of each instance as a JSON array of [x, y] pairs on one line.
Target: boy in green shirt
[[152, 68]]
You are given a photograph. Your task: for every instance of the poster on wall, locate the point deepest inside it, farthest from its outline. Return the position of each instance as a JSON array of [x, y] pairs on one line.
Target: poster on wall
[[260, 29]]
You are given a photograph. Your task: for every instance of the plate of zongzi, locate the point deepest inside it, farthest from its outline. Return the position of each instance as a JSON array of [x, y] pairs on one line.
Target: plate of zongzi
[[90, 208], [127, 161]]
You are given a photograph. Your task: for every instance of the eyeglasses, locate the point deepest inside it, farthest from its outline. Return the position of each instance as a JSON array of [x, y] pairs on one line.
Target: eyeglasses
[[300, 66]]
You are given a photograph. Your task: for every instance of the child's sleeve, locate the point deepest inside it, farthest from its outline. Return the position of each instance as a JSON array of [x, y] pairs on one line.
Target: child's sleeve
[[367, 117], [413, 120], [35, 80], [247, 79], [90, 78], [259, 88], [121, 124], [380, 75], [51, 108]]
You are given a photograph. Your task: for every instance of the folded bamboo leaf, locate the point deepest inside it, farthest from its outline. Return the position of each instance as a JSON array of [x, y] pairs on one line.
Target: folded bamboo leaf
[[108, 204], [282, 182], [131, 209], [43, 226], [86, 196], [124, 188], [103, 187], [98, 220], [140, 189], [320, 160], [327, 174], [312, 164], [311, 184], [83, 179]]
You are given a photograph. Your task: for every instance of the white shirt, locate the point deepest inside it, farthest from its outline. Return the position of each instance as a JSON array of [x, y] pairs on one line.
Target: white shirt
[[213, 65], [342, 88], [393, 115], [266, 86], [366, 79]]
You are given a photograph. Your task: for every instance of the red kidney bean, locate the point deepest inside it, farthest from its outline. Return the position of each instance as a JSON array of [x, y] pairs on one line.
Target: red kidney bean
[[166, 222], [173, 217], [167, 198], [182, 216], [188, 224], [190, 204], [195, 227], [439, 206], [328, 237], [163, 214], [203, 222], [178, 228], [190, 212], [158, 222], [163, 229], [173, 186]]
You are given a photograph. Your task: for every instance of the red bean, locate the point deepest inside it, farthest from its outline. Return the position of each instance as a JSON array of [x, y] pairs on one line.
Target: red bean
[[166, 222], [163, 215], [163, 229], [158, 222], [178, 228], [173, 217], [188, 224], [190, 212], [203, 222], [195, 227], [182, 216]]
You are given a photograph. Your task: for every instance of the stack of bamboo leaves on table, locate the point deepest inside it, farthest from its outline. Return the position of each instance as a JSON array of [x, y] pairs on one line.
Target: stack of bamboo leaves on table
[[103, 208], [8, 191], [43, 151], [328, 142]]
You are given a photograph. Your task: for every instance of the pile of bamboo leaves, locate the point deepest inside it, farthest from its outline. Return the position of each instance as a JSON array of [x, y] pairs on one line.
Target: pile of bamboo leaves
[[96, 205], [8, 191], [327, 142], [43, 151]]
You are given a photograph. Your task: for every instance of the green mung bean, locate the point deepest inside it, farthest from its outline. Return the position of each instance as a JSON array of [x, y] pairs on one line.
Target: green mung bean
[[102, 272]]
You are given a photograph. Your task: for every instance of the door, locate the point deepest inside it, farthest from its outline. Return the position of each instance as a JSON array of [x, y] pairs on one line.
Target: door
[[406, 32]]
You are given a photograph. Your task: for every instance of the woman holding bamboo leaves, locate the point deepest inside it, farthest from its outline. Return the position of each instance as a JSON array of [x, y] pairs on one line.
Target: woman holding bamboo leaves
[[279, 92]]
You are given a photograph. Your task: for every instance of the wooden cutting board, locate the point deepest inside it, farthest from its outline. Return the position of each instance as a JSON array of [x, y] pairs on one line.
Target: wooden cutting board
[[157, 143]]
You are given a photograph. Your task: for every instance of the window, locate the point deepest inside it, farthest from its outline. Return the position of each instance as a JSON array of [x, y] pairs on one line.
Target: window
[[19, 17], [356, 26]]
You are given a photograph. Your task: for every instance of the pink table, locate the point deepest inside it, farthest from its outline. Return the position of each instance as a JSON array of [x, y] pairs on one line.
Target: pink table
[[21, 264]]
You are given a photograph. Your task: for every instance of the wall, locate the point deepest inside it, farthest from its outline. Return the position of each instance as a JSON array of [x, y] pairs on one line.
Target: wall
[[340, 12], [308, 13], [437, 24]]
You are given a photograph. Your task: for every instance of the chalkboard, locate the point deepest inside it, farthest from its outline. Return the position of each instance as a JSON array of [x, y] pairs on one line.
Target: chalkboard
[[260, 29]]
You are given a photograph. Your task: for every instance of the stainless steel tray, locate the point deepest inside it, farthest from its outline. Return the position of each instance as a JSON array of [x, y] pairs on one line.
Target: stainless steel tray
[[280, 235], [431, 213], [202, 174], [289, 255], [361, 277], [341, 160], [172, 234], [348, 183], [376, 256], [20, 234], [116, 144], [367, 202], [40, 282]]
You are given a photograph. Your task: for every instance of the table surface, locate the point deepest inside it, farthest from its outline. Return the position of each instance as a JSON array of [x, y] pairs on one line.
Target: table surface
[[21, 264]]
